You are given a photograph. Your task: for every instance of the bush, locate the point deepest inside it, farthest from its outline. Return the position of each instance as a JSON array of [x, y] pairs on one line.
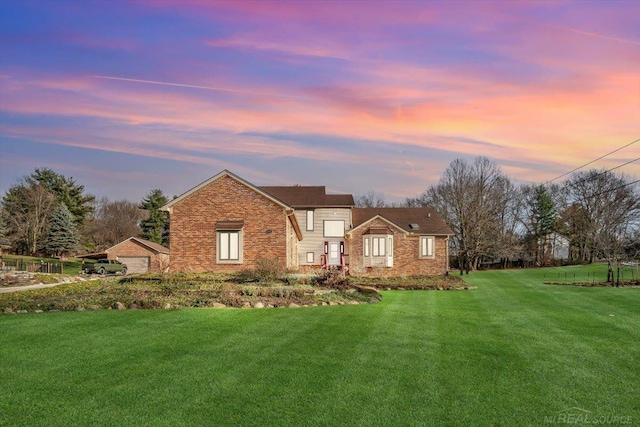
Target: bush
[[333, 279], [267, 270]]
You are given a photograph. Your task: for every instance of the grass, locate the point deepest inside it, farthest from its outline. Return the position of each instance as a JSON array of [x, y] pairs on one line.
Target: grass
[[70, 266], [511, 352]]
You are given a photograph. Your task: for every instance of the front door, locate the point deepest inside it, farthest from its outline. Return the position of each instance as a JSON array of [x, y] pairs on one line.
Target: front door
[[334, 253]]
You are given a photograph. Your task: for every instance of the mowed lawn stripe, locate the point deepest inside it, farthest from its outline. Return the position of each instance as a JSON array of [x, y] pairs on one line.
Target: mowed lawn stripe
[[511, 352]]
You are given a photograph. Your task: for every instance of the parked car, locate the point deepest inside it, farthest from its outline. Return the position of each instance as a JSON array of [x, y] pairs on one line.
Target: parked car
[[104, 266]]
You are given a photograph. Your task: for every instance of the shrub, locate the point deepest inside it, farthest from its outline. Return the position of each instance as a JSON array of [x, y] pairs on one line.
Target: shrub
[[333, 279], [267, 270]]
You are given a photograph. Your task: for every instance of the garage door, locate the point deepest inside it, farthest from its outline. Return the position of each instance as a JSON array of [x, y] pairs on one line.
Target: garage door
[[138, 264]]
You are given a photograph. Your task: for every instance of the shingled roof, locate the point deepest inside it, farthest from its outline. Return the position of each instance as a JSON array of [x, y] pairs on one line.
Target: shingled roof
[[412, 220], [299, 196]]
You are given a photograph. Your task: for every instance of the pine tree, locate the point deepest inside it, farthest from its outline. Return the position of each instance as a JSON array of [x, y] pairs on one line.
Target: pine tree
[[63, 235], [156, 227]]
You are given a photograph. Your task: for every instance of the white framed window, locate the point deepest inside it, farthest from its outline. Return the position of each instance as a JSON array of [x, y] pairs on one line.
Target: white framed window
[[230, 246], [427, 247], [310, 257], [333, 228], [366, 246], [309, 220], [379, 245]]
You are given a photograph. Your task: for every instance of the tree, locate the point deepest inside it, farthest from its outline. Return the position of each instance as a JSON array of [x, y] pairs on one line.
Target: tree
[[27, 207], [539, 218], [113, 222], [473, 200], [62, 237], [370, 200], [610, 207], [67, 191], [156, 227]]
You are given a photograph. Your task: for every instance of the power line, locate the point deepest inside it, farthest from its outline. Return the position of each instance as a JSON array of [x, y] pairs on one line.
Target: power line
[[617, 188], [593, 161]]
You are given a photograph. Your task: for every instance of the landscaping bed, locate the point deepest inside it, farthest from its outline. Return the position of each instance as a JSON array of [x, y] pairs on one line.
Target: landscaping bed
[[434, 283], [177, 291], [622, 284]]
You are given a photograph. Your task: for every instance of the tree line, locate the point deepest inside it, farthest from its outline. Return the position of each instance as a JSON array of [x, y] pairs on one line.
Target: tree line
[[46, 213], [597, 213]]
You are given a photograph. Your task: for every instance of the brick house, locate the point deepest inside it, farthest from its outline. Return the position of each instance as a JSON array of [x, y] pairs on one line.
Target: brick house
[[227, 224], [140, 255]]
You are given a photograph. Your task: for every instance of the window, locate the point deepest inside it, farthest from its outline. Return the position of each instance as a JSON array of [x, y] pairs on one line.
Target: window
[[366, 246], [378, 244], [309, 220], [310, 257], [334, 228], [427, 246], [229, 246]]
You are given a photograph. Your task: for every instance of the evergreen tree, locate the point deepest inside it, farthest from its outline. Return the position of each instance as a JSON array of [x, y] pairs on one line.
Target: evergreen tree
[[67, 191], [63, 235], [156, 227]]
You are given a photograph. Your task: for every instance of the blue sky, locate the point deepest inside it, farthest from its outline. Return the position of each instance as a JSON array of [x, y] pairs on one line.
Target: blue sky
[[358, 96]]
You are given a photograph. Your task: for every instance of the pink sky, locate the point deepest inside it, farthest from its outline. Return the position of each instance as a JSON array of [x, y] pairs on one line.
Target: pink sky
[[358, 96]]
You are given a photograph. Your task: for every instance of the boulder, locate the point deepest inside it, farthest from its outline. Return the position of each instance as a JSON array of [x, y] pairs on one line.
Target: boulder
[[167, 306], [38, 311], [293, 305], [119, 306], [22, 311], [218, 305], [94, 307], [258, 305], [79, 308], [8, 310], [133, 306]]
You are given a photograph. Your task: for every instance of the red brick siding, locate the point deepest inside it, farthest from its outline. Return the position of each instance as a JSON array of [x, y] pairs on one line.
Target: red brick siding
[[193, 227], [133, 249], [406, 255]]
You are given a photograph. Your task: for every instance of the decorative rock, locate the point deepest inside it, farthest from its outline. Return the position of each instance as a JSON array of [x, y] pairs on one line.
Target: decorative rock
[[246, 305], [54, 311], [167, 306], [119, 306], [258, 305], [8, 311], [38, 311], [333, 303], [293, 305], [324, 303], [400, 288], [22, 311], [94, 307], [79, 308], [133, 306], [270, 306], [354, 302], [218, 305]]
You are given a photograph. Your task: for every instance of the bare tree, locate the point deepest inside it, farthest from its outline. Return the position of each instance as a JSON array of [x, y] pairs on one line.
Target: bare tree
[[474, 199], [112, 223], [370, 200], [27, 207], [610, 208]]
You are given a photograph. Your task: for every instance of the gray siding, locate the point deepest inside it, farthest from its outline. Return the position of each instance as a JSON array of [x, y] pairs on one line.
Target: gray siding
[[313, 241]]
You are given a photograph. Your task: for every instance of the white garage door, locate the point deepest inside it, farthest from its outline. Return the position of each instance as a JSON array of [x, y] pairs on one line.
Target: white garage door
[[138, 264]]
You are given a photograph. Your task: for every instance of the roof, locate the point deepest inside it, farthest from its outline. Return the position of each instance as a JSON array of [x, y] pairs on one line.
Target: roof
[[427, 220], [149, 244], [299, 196], [222, 174]]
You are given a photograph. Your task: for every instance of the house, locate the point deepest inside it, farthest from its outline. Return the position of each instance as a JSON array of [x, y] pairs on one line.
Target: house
[[140, 255], [227, 224]]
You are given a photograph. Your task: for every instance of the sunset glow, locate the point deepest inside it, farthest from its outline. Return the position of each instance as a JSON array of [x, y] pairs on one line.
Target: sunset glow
[[357, 96]]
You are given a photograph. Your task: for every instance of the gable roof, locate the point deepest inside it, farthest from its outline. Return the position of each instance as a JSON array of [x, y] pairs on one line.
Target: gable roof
[[155, 247], [222, 174], [299, 196], [426, 219]]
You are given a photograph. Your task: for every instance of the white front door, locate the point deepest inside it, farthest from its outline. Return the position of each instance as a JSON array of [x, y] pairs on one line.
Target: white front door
[[334, 253]]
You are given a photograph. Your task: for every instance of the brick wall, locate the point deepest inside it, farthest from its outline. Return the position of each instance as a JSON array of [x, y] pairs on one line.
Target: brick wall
[[130, 248], [406, 255], [193, 227]]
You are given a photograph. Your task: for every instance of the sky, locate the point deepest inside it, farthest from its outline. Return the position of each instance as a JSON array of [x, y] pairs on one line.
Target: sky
[[363, 96]]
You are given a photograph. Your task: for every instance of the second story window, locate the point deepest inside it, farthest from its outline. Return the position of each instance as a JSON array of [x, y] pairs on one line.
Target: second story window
[[309, 220]]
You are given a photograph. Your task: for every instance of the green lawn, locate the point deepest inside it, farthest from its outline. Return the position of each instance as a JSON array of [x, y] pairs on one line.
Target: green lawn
[[511, 352]]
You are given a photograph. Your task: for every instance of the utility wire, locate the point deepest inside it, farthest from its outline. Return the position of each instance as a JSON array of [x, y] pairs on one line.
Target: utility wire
[[593, 161]]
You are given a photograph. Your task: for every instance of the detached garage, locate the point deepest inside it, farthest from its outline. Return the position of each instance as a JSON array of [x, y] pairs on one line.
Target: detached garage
[[140, 255]]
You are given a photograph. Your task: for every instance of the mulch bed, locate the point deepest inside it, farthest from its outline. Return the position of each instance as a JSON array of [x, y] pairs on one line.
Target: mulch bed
[[622, 284]]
